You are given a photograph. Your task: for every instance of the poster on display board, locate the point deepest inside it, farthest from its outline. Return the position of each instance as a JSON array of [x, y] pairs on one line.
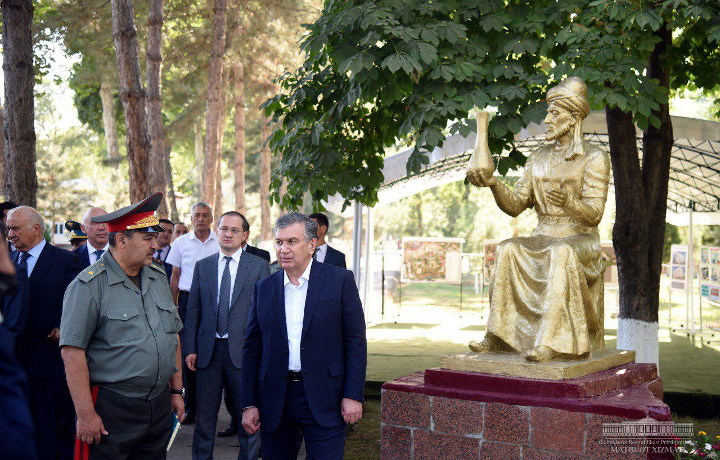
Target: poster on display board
[[710, 272], [678, 267], [437, 260]]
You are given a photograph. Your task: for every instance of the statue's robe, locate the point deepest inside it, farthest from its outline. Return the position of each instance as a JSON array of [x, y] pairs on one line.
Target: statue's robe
[[547, 289]]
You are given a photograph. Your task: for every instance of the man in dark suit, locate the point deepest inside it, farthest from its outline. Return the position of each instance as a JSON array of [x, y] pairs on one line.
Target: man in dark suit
[[164, 246], [50, 270], [215, 324], [97, 238], [324, 253], [305, 352], [17, 435], [232, 429]]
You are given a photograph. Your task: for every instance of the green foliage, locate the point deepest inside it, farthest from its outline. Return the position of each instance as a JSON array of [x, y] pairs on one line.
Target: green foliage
[[672, 236], [389, 72]]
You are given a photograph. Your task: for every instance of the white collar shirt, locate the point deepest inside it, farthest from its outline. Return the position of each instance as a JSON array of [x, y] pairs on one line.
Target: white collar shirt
[[186, 251], [34, 254], [234, 263], [91, 251], [294, 315], [321, 252]]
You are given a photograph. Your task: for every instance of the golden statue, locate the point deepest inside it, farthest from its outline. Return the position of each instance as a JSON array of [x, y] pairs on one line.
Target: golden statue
[[546, 290]]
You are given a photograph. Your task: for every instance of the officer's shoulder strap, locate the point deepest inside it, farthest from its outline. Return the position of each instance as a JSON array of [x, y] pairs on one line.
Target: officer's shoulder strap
[[157, 264], [92, 271]]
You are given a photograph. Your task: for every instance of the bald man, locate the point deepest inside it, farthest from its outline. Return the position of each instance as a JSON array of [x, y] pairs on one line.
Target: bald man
[[50, 270], [97, 238]]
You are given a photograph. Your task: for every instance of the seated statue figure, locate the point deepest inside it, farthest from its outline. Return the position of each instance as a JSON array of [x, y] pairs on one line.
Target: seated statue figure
[[546, 290]]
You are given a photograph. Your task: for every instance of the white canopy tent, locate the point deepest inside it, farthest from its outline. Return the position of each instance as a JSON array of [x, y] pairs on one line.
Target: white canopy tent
[[694, 188]]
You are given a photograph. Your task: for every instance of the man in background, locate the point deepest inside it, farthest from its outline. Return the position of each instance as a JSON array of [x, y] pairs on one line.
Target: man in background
[[163, 242], [324, 253], [50, 271], [186, 251], [179, 229], [219, 303], [97, 238]]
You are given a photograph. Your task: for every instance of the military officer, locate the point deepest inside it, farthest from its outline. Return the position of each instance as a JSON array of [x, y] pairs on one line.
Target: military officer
[[119, 339], [75, 233]]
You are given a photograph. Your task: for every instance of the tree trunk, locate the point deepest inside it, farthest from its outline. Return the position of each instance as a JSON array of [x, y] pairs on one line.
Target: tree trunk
[[199, 157], [109, 123], [154, 101], [265, 226], [19, 122], [213, 113], [239, 77], [220, 137], [132, 96], [174, 216], [657, 150]]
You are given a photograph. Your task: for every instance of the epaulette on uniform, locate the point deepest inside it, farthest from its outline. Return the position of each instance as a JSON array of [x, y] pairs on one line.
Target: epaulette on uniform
[[157, 264], [92, 271]]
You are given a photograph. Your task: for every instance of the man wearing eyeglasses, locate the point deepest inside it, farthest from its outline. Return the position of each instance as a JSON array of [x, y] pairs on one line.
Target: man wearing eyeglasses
[[217, 312]]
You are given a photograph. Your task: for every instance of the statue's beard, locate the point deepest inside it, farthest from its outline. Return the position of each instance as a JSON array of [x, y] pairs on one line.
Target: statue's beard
[[559, 131]]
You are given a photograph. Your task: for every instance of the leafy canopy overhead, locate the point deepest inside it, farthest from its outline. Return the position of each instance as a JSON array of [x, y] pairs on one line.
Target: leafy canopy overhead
[[382, 73]]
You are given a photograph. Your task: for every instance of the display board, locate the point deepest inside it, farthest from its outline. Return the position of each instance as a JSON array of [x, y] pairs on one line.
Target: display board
[[678, 267], [710, 272], [437, 260]]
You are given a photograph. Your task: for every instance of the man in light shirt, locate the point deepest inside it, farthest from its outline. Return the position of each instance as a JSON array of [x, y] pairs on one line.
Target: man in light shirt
[[324, 253], [305, 353], [217, 314], [185, 252], [97, 238]]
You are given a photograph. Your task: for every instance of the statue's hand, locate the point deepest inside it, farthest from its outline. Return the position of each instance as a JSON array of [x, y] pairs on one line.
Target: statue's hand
[[558, 196], [480, 178]]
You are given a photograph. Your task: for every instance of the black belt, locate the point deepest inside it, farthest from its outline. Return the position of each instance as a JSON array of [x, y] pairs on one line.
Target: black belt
[[294, 376]]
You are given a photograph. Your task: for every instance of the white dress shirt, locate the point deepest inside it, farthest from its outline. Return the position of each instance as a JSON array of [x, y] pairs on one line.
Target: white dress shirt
[[234, 262], [188, 249], [321, 252], [294, 314], [91, 251], [34, 254]]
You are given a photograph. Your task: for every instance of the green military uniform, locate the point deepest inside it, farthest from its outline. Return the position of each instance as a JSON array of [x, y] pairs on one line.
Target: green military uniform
[[129, 334], [128, 327]]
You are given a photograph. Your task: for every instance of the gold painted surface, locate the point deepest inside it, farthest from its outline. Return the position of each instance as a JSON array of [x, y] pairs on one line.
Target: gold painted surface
[[546, 290], [515, 365]]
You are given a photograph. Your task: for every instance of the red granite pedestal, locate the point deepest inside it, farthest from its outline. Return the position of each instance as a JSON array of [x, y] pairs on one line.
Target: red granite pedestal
[[443, 415]]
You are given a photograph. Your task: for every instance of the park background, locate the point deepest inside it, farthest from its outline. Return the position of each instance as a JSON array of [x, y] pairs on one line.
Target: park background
[[219, 77]]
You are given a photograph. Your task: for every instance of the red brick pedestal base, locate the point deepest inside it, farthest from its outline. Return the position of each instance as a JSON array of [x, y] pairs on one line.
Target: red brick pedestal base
[[444, 415]]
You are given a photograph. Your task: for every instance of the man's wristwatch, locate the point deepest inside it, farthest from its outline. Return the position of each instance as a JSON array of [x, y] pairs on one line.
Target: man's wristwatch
[[180, 392]]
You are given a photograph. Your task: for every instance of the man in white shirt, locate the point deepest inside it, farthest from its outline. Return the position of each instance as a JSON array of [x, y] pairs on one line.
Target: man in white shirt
[[220, 296], [324, 253], [185, 252], [305, 352], [97, 238]]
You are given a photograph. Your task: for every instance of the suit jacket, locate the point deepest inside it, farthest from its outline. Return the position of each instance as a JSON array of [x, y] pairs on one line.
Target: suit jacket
[[333, 348], [263, 254], [201, 316], [14, 306], [335, 257], [82, 252], [54, 270]]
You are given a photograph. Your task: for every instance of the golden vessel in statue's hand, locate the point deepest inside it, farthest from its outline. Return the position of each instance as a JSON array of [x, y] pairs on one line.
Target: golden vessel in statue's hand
[[481, 165]]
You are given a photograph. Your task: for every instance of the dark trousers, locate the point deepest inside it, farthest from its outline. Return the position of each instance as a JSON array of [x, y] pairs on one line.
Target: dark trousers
[[210, 386], [137, 429], [189, 377], [230, 405], [297, 422], [53, 416]]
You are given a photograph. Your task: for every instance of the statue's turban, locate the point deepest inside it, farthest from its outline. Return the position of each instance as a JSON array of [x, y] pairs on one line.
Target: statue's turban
[[571, 94]]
